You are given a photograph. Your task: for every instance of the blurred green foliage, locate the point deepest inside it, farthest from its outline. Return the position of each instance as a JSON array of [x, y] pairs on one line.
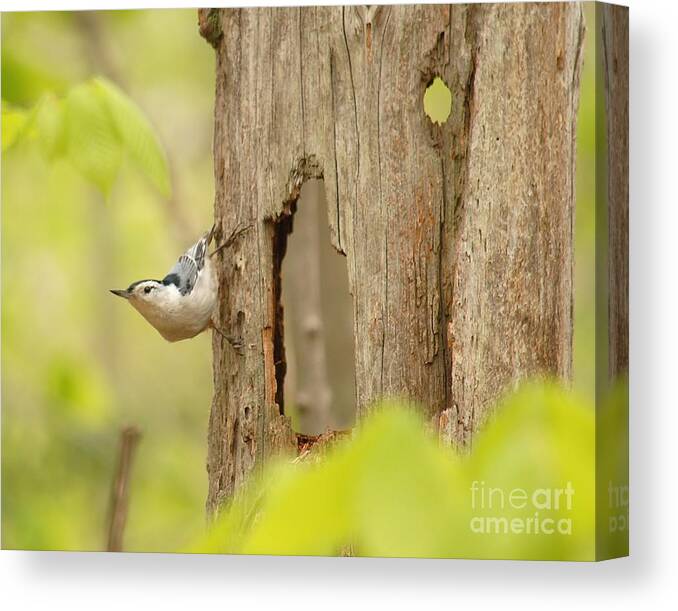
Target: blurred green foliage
[[94, 126], [76, 366], [394, 491], [612, 472]]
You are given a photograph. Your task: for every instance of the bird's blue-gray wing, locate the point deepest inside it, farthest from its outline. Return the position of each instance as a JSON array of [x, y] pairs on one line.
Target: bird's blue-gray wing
[[186, 270]]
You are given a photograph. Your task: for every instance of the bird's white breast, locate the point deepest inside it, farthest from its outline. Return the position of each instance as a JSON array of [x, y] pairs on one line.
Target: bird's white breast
[[178, 316]]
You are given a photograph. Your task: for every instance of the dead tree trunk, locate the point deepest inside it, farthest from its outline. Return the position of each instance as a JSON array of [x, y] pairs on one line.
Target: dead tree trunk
[[615, 39], [458, 236]]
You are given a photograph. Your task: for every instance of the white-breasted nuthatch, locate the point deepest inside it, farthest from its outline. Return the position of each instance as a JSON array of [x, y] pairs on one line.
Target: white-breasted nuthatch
[[181, 305]]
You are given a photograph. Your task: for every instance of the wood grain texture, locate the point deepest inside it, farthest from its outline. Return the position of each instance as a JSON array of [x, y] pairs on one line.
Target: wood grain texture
[[615, 39], [458, 237]]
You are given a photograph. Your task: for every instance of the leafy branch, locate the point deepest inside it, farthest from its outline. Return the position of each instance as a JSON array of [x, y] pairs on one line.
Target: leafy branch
[[95, 126], [526, 490]]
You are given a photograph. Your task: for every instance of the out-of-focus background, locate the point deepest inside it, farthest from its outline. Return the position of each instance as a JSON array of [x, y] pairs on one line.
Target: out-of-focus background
[[78, 364]]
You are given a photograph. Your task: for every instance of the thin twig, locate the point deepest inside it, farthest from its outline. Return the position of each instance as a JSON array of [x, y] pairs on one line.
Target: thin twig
[[129, 438]]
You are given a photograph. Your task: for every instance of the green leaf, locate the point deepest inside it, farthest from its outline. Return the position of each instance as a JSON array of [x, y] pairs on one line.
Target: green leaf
[[95, 125], [93, 143], [51, 127], [136, 134], [15, 124], [25, 79], [541, 438], [392, 490]]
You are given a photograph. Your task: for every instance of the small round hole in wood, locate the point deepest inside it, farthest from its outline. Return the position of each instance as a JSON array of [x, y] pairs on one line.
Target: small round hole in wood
[[438, 101]]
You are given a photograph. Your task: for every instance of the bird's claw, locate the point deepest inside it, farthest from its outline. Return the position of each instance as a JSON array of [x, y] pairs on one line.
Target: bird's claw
[[236, 342]]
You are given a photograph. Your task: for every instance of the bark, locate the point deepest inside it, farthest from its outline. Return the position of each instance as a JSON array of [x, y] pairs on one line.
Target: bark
[[612, 287], [458, 237], [615, 38]]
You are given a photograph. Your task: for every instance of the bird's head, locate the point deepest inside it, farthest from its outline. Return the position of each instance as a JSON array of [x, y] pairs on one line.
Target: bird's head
[[143, 295]]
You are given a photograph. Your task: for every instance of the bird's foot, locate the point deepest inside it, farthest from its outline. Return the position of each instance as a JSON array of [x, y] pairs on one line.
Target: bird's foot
[[235, 342], [235, 234]]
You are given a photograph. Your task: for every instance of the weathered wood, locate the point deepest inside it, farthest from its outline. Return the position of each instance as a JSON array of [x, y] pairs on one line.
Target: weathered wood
[[458, 237], [615, 39], [509, 307]]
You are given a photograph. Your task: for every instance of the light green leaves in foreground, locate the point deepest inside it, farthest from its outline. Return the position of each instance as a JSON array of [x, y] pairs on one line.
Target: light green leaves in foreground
[[14, 123], [525, 491], [95, 126]]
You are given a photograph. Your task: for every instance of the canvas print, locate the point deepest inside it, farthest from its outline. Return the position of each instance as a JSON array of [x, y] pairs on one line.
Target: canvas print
[[334, 281]]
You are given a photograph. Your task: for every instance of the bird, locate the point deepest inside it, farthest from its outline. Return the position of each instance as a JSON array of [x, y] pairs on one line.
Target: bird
[[181, 305]]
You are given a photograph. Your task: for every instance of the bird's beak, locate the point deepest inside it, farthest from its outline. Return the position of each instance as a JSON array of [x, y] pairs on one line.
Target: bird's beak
[[120, 293]]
